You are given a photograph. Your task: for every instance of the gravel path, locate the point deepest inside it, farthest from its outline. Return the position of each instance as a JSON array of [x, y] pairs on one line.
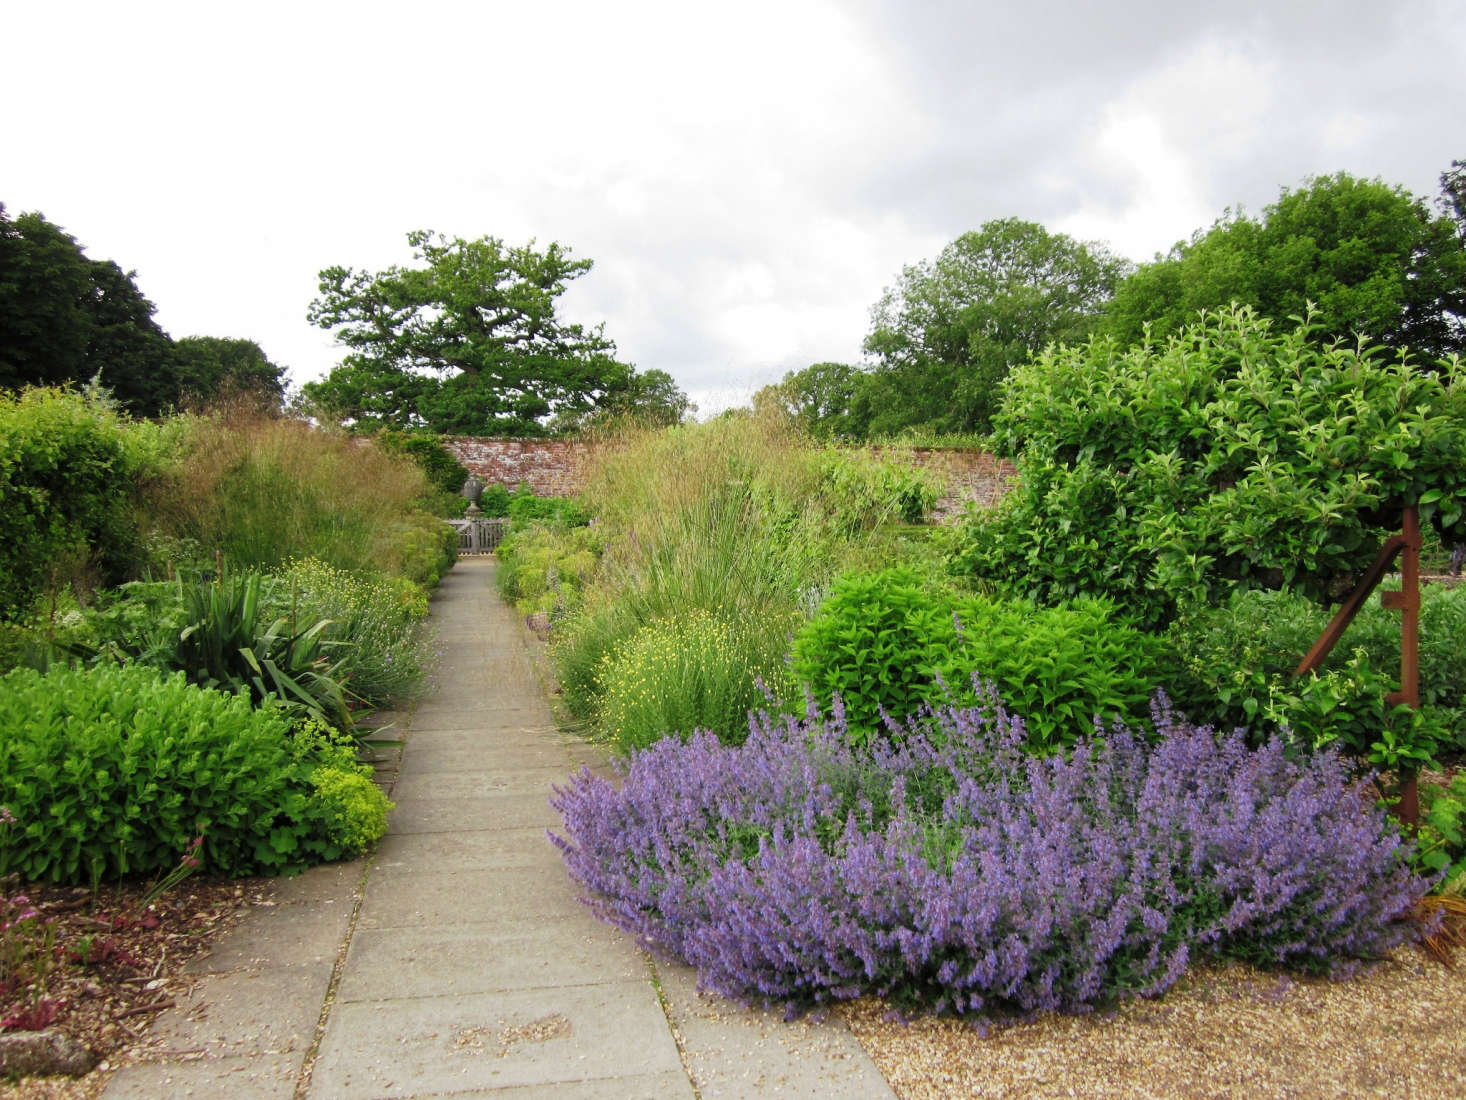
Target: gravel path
[[1397, 1030]]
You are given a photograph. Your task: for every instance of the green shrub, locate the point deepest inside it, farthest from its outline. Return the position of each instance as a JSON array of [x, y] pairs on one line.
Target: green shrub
[[525, 508], [68, 484], [113, 770], [1233, 665], [891, 641], [1059, 667], [494, 501], [1440, 841], [877, 641], [444, 472], [545, 567], [1230, 456], [699, 671]]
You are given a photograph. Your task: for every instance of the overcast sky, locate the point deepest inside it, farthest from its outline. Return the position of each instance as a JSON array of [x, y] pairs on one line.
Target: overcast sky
[[746, 177]]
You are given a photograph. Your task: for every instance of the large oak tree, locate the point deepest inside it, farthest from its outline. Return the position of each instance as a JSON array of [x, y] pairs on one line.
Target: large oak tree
[[465, 341]]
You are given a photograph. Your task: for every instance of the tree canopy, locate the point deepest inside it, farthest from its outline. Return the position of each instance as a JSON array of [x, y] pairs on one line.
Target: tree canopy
[[1236, 454], [65, 318], [949, 330], [821, 399], [1370, 257], [466, 341], [211, 365]]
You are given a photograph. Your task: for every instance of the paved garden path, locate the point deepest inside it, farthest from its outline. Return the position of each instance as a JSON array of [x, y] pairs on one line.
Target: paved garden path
[[458, 959]]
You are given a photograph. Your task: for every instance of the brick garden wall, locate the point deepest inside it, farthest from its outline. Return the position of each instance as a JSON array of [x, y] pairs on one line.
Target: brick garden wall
[[555, 467], [551, 467]]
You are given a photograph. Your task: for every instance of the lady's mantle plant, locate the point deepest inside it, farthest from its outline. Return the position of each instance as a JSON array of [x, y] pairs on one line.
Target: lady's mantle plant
[[949, 870]]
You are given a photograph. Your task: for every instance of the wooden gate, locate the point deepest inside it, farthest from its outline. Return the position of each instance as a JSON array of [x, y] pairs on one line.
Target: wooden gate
[[481, 535]]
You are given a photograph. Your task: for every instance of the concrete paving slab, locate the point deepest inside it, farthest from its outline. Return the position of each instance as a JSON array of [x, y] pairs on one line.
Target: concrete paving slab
[[306, 934], [388, 963], [488, 849], [423, 760], [328, 882], [479, 780], [658, 1086], [493, 1040], [269, 1077], [502, 811], [733, 1051], [519, 899], [441, 719], [267, 1011]]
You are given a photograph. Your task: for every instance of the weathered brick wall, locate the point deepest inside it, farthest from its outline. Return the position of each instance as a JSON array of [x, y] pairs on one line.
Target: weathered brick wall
[[555, 467], [551, 467], [969, 477]]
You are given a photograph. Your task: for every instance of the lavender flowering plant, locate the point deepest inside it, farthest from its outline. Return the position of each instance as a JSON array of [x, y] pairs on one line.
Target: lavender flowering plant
[[947, 869]]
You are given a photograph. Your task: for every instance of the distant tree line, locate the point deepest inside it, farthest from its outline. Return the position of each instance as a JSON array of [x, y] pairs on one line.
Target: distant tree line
[[1365, 260], [66, 318]]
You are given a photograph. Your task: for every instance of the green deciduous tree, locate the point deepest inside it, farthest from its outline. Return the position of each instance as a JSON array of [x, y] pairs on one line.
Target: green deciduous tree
[[822, 399], [467, 341], [949, 330], [1370, 257], [1231, 456], [214, 365], [64, 318]]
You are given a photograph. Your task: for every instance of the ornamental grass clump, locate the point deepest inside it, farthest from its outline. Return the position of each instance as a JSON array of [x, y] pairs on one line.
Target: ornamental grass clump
[[699, 670], [948, 870]]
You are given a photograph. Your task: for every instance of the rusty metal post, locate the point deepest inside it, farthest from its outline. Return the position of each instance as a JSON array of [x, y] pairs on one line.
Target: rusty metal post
[[1407, 601]]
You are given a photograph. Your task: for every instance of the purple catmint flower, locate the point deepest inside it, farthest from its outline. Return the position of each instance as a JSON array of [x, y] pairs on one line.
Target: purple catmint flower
[[946, 868]]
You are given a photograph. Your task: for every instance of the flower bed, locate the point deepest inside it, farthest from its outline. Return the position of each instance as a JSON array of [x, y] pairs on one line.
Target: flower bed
[[947, 869]]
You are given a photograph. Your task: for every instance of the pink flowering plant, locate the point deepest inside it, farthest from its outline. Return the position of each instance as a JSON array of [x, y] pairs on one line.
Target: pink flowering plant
[[946, 868], [27, 948]]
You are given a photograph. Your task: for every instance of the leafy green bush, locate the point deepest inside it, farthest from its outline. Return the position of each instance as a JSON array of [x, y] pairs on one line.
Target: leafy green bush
[[1229, 456], [114, 770], [877, 641], [545, 567], [1440, 841], [1059, 667], [68, 482], [1232, 665], [444, 472], [891, 641], [494, 501], [699, 671], [525, 508]]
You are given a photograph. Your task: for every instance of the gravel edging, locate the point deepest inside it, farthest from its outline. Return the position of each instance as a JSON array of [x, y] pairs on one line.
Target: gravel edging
[[1394, 1030]]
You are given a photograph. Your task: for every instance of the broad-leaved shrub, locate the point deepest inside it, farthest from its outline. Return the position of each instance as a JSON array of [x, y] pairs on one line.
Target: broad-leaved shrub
[[113, 771], [1232, 455], [888, 642]]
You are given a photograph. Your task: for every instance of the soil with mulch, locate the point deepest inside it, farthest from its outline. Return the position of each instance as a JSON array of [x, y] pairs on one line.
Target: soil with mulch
[[116, 963]]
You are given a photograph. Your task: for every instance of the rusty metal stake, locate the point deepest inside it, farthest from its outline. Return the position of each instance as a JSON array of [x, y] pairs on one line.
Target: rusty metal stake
[[1406, 600]]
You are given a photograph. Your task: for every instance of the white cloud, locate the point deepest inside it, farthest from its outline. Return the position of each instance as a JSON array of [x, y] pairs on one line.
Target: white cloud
[[747, 179]]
